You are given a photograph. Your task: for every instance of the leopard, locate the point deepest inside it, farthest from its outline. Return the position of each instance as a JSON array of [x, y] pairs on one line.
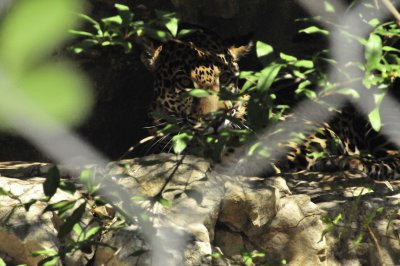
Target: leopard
[[203, 60], [198, 60]]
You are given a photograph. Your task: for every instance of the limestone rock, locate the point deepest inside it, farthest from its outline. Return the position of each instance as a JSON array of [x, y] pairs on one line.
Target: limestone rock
[[204, 212], [26, 231]]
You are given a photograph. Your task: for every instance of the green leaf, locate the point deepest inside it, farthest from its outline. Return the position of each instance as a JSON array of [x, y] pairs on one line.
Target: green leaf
[[184, 32], [169, 19], [313, 30], [81, 33], [56, 90], [378, 97], [245, 74], [263, 49], [170, 129], [67, 186], [49, 261], [87, 177], [52, 181], [310, 94], [179, 142], [299, 74], [302, 86], [32, 30], [3, 192], [49, 252], [78, 230], [61, 207], [121, 7], [172, 26], [114, 21], [2, 263], [287, 58], [70, 221], [83, 45], [304, 63], [166, 203], [247, 259], [390, 49], [89, 19], [92, 232], [350, 92], [375, 119], [250, 83], [268, 76], [216, 255], [157, 34], [253, 148], [264, 52], [200, 93], [373, 51], [374, 22], [125, 14], [329, 7], [258, 254]]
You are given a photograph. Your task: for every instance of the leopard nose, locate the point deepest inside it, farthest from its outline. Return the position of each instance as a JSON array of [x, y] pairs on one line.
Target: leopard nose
[[208, 104]]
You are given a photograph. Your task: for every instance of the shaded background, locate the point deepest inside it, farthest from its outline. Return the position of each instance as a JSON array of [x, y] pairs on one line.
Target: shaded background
[[123, 86]]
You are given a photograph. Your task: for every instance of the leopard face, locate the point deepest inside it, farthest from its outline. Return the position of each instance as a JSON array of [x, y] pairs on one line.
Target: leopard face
[[200, 60]]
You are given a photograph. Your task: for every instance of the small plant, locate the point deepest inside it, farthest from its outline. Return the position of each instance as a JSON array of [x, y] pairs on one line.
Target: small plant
[[122, 29], [249, 257]]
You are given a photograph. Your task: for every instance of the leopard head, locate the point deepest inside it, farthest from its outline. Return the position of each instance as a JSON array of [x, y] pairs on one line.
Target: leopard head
[[199, 60]]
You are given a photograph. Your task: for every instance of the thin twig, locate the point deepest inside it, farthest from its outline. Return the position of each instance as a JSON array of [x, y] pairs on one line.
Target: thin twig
[[378, 248], [392, 10]]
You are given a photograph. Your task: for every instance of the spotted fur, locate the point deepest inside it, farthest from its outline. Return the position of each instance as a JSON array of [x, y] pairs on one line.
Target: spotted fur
[[203, 60], [198, 60]]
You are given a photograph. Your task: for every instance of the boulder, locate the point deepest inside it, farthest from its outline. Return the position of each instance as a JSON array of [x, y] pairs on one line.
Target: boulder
[[198, 217]]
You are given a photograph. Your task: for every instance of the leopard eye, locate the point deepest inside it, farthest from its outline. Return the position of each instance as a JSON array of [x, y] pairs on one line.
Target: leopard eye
[[184, 81], [225, 78]]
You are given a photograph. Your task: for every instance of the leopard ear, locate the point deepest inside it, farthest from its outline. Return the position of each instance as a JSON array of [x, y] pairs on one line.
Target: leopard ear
[[238, 51], [150, 53], [240, 46]]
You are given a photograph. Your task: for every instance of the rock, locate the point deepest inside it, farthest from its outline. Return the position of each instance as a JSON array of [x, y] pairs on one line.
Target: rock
[[27, 231], [295, 234], [232, 214], [23, 170], [365, 212], [196, 212]]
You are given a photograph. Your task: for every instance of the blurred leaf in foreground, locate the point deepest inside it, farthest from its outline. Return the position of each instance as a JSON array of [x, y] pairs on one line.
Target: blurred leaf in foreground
[[31, 86]]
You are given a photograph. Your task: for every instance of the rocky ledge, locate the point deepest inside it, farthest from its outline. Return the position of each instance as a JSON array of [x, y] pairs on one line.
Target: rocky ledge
[[199, 217]]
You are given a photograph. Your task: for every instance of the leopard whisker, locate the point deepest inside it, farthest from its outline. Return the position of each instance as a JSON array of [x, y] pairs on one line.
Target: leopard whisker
[[155, 143], [166, 145]]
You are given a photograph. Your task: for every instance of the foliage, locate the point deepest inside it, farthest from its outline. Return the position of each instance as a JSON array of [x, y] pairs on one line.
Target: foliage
[[57, 91], [354, 223], [271, 93], [32, 85], [120, 30], [79, 222], [248, 258], [265, 92]]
